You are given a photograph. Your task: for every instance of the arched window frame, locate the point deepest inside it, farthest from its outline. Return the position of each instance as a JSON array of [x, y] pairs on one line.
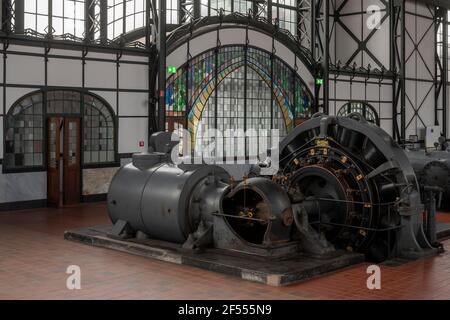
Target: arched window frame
[[346, 110], [199, 58], [193, 92], [45, 115]]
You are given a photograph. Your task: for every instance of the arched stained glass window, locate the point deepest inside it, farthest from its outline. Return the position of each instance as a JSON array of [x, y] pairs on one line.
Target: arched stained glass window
[[364, 109], [26, 124], [235, 87]]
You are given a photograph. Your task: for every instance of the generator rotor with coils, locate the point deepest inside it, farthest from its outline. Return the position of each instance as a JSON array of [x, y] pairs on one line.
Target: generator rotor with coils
[[356, 184]]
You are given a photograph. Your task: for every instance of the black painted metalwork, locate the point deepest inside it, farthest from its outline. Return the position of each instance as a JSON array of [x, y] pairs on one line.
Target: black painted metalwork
[[8, 12], [189, 10], [92, 22], [441, 69], [326, 57], [342, 184], [161, 47], [207, 24], [398, 60]]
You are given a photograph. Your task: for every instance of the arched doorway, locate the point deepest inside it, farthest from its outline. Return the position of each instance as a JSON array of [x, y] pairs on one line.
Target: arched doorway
[[60, 131]]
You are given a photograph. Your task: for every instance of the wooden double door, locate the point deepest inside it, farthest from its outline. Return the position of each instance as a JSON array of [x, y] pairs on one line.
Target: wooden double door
[[63, 161]]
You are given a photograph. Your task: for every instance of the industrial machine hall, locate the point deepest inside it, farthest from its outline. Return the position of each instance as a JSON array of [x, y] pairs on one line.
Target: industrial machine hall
[[225, 150]]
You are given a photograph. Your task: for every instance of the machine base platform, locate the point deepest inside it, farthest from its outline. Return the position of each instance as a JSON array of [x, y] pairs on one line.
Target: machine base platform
[[288, 271], [443, 230]]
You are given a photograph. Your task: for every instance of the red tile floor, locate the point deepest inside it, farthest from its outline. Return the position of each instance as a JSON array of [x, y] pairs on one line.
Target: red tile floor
[[34, 257]]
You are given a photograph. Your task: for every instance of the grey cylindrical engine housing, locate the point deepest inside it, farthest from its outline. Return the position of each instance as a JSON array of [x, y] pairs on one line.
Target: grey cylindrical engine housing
[[157, 200], [432, 169]]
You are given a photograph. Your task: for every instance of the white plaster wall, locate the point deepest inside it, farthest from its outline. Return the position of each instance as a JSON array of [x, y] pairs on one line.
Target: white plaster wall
[[133, 104], [110, 96], [64, 72], [25, 70], [131, 131], [133, 76], [100, 74]]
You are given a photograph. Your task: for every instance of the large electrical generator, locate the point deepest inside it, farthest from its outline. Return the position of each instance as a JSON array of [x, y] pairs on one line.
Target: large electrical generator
[[346, 179], [344, 188]]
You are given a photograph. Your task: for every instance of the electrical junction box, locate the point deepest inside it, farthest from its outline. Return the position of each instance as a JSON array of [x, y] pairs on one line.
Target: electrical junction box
[[432, 135]]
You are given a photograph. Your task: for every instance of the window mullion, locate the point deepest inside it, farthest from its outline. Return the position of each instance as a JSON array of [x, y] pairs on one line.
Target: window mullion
[[19, 16], [50, 15], [124, 17]]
